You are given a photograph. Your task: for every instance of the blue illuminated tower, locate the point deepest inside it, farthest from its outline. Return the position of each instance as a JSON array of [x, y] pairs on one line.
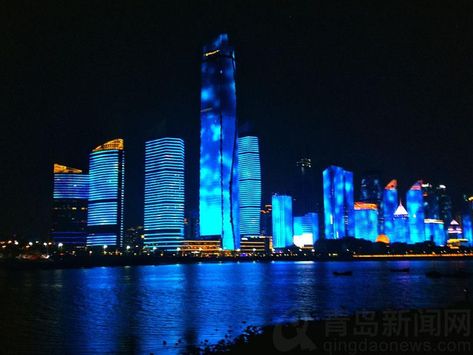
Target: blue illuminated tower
[[467, 228], [218, 202], [415, 208], [435, 231], [164, 193], [106, 194], [401, 226], [249, 185], [69, 219], [389, 205], [306, 229], [338, 203], [366, 221], [282, 221]]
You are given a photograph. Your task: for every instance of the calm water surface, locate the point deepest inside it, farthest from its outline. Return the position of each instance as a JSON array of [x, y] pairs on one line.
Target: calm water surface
[[112, 309]]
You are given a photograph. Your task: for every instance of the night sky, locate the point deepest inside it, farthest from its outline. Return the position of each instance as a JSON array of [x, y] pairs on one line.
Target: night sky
[[381, 86]]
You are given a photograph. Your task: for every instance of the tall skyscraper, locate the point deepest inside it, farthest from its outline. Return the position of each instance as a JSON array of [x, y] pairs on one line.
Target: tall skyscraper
[[415, 208], [445, 205], [218, 202], [389, 206], [366, 221], [164, 193], [467, 228], [401, 226], [249, 185], [282, 221], [304, 191], [106, 194], [431, 200], [69, 219], [371, 189], [434, 231], [306, 229], [338, 203]]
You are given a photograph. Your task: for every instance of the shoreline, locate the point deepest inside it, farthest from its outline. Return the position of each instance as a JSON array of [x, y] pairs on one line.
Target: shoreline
[[142, 260]]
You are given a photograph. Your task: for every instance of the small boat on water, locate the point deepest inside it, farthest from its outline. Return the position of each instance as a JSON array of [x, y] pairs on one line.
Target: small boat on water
[[343, 273], [405, 269]]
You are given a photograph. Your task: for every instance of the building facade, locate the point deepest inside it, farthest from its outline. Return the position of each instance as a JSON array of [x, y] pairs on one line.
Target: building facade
[[69, 215], [218, 193], [338, 203], [415, 208], [434, 231], [306, 229], [106, 194], [282, 221], [164, 194], [366, 221], [389, 206], [249, 185], [401, 226]]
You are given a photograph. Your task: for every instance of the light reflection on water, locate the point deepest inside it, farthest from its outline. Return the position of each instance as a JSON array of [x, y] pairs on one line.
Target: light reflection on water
[[112, 309]]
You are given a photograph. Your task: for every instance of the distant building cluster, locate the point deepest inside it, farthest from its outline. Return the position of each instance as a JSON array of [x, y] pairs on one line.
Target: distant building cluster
[[88, 209]]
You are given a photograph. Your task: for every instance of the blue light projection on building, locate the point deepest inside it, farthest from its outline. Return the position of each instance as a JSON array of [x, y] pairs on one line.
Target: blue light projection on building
[[467, 228], [415, 208], [106, 194], [366, 221], [306, 229], [164, 193], [69, 215], [338, 203], [390, 201], [249, 185], [218, 202], [435, 231], [401, 226], [282, 221]]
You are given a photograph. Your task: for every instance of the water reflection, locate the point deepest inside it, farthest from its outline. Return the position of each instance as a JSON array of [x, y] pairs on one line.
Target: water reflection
[[166, 308]]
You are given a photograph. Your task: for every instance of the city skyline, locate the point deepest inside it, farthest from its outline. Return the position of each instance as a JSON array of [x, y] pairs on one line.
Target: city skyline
[[70, 114]]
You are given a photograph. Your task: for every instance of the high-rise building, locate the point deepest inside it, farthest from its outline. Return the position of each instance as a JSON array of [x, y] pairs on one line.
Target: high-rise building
[[415, 208], [106, 194], [434, 231], [164, 194], [218, 201], [389, 206], [266, 220], [304, 191], [249, 185], [371, 189], [366, 221], [282, 221], [306, 229], [445, 205], [467, 228], [69, 219], [338, 203], [431, 201], [454, 230], [401, 226]]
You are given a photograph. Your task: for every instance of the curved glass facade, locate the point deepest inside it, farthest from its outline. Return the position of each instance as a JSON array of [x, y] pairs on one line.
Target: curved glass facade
[[250, 185], [106, 194], [218, 201], [69, 217], [164, 193]]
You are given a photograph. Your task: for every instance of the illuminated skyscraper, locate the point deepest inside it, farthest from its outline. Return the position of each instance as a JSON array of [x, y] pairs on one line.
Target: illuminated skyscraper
[[338, 203], [282, 221], [249, 185], [366, 221], [434, 231], [164, 193], [445, 205], [69, 219], [431, 200], [467, 228], [401, 226], [415, 208], [218, 203], [106, 194], [306, 229], [303, 191], [371, 189], [389, 206]]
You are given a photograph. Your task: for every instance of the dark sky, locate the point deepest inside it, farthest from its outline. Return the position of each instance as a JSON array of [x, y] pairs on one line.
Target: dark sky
[[370, 86]]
